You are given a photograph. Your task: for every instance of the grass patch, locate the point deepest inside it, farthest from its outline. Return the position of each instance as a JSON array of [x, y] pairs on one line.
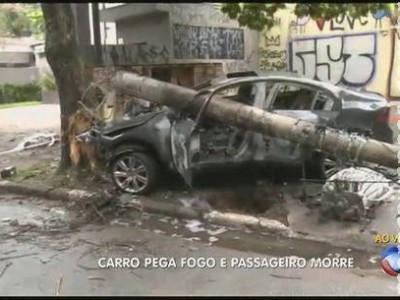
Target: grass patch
[[42, 171], [45, 173], [19, 104]]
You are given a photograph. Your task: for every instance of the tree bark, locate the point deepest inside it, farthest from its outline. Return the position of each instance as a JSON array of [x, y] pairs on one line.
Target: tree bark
[[301, 132], [63, 56]]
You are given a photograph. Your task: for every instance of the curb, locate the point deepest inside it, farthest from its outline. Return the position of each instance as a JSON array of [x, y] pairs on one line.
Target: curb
[[53, 193], [150, 206]]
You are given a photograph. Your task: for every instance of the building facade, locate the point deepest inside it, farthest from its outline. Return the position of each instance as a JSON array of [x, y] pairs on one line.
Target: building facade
[[17, 62], [180, 43], [361, 53]]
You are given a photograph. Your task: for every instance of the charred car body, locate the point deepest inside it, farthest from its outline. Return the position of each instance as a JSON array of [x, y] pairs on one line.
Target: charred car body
[[138, 148]]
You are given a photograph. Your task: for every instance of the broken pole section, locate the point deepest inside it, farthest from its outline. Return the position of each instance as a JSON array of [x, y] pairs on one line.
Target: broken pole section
[[304, 133]]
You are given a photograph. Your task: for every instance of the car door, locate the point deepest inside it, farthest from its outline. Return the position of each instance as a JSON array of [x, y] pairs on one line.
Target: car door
[[189, 138], [302, 102], [185, 144], [292, 100], [229, 144], [327, 107]]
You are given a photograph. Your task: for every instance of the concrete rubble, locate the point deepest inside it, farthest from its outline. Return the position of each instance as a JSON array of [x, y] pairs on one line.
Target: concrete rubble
[[350, 193]]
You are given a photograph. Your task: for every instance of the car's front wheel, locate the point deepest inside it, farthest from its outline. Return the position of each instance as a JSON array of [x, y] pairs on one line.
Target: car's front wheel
[[134, 172]]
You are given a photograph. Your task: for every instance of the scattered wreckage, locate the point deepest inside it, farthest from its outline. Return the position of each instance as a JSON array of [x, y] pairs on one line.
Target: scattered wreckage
[[37, 140], [244, 119], [352, 193]]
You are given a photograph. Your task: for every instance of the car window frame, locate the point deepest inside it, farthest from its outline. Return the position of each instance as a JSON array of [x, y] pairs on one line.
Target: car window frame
[[275, 89]]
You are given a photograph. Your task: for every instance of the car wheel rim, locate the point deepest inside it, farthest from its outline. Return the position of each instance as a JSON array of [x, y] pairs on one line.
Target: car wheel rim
[[130, 174]]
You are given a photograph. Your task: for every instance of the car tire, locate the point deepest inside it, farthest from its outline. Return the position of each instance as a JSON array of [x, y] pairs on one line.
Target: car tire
[[315, 166], [137, 167]]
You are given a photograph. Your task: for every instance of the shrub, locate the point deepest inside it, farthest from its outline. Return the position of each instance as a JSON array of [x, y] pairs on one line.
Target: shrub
[[47, 82], [10, 93]]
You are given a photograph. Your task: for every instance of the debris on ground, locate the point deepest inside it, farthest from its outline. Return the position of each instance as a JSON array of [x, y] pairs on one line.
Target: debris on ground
[[36, 141], [8, 264], [58, 287], [217, 232], [8, 172], [213, 239], [196, 202], [44, 260], [119, 223], [195, 226], [95, 278], [349, 194], [193, 249]]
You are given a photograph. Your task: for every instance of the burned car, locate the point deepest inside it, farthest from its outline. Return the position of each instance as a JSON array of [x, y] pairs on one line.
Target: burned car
[[137, 149]]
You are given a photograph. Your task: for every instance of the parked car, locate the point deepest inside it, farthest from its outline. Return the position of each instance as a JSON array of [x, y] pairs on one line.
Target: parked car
[[137, 149]]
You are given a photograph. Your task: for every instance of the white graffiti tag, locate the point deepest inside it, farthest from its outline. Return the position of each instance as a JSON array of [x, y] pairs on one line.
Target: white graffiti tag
[[345, 59]]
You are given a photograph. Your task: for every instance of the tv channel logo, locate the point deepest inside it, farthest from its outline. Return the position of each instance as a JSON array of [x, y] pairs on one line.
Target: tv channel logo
[[390, 260]]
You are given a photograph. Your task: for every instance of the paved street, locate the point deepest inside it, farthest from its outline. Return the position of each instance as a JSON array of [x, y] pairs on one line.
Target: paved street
[[55, 252]]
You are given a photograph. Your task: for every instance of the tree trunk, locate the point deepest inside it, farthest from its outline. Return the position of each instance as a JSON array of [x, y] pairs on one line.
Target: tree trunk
[[301, 132], [63, 56]]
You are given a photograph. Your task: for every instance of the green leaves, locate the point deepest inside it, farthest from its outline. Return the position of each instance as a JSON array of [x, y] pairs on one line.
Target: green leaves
[[17, 20], [35, 16], [254, 15], [260, 15]]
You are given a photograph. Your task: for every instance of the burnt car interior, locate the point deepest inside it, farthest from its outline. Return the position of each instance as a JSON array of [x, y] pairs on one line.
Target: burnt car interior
[[296, 97], [220, 140]]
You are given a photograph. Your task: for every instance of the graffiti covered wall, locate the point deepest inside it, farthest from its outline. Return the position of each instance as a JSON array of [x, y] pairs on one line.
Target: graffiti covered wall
[[199, 42], [354, 52], [201, 33]]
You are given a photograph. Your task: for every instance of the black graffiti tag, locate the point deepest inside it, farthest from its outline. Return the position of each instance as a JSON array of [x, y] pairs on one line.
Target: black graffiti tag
[[199, 42]]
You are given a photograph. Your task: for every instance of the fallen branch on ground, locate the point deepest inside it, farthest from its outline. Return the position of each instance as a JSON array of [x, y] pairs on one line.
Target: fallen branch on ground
[[8, 264]]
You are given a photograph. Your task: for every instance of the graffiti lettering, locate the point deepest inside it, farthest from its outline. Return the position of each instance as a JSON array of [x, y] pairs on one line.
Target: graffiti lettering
[[133, 54], [197, 42], [277, 22], [241, 65], [153, 53], [339, 22], [379, 15], [342, 59], [273, 59], [274, 40], [299, 23], [320, 23]]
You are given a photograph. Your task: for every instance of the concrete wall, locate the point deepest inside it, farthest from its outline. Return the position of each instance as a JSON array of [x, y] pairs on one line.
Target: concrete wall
[[359, 53], [18, 75], [190, 34], [202, 33], [17, 62], [17, 67], [151, 33], [13, 57]]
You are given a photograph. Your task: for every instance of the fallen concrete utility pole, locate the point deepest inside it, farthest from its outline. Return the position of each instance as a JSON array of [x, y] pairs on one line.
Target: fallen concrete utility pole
[[328, 140]]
